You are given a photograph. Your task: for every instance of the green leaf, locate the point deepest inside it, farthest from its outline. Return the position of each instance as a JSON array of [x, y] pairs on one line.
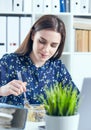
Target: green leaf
[[60, 101]]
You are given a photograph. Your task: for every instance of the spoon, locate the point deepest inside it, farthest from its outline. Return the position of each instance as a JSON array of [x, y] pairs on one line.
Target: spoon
[[26, 102]]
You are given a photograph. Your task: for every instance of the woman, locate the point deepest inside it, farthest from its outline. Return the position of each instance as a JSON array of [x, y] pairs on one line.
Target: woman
[[38, 60]]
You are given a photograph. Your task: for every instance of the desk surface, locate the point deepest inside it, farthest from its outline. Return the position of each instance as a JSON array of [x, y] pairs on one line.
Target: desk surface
[[33, 125]]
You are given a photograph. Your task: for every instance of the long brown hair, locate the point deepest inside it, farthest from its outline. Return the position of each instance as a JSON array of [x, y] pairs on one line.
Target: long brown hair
[[50, 22]]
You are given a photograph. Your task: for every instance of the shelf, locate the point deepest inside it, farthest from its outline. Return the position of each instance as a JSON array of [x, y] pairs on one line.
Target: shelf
[[70, 57], [15, 14], [66, 53], [81, 53], [82, 15]]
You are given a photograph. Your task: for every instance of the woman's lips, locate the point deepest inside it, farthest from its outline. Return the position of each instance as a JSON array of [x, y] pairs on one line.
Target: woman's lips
[[44, 55]]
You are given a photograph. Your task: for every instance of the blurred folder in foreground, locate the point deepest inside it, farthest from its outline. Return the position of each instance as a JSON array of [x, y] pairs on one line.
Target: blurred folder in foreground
[[12, 117]]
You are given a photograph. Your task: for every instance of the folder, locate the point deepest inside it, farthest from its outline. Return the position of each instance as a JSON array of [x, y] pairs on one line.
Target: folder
[[19, 115], [5, 5], [12, 33], [67, 5], [18, 6], [76, 6], [81, 40], [2, 35], [89, 6], [55, 6], [28, 6], [37, 6], [82, 23], [47, 6], [89, 42], [62, 6], [84, 6], [24, 29]]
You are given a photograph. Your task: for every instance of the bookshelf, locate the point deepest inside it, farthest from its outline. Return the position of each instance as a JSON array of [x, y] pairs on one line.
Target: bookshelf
[[81, 50], [77, 62]]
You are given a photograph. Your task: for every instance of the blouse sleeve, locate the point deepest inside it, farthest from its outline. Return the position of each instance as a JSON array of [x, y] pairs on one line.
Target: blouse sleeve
[[3, 74], [4, 70]]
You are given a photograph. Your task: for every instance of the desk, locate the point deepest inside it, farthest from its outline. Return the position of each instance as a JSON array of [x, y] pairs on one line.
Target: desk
[[33, 125]]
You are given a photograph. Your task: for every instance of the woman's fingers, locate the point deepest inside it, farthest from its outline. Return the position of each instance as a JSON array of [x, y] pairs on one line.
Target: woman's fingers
[[13, 91], [18, 85], [15, 87]]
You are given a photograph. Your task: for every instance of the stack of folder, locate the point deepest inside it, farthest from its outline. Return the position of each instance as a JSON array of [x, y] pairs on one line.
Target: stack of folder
[[6, 116], [12, 117]]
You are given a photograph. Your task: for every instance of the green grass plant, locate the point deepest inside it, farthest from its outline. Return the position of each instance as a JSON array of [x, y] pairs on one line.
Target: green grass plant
[[61, 101]]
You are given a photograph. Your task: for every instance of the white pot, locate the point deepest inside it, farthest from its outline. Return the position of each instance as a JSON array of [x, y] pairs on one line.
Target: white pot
[[62, 122]]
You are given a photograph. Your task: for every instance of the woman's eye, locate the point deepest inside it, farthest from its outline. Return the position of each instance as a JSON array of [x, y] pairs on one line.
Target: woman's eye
[[42, 42], [54, 46]]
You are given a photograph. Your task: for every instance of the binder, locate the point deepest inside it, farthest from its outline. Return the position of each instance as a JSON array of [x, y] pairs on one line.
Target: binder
[[24, 29], [19, 116], [28, 6], [2, 35], [12, 33], [62, 6], [81, 40], [47, 6], [18, 5], [67, 5], [55, 6], [84, 6], [89, 42], [5, 5], [37, 6], [75, 7], [89, 6], [82, 23]]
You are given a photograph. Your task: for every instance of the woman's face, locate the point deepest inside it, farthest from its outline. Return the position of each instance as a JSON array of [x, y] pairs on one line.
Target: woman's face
[[45, 44]]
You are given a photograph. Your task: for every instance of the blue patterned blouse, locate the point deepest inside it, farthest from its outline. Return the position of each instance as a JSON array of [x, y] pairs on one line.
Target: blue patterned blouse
[[51, 72]]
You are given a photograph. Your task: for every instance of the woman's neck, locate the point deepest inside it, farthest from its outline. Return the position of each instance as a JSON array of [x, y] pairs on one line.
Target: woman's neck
[[35, 61]]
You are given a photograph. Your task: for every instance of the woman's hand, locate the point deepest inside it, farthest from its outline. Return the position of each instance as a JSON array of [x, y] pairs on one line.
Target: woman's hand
[[15, 87]]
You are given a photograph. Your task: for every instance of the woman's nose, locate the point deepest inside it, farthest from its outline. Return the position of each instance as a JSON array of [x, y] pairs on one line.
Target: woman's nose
[[46, 48]]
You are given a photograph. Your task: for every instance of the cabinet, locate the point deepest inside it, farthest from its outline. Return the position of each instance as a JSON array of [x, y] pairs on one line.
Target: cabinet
[[78, 63]]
